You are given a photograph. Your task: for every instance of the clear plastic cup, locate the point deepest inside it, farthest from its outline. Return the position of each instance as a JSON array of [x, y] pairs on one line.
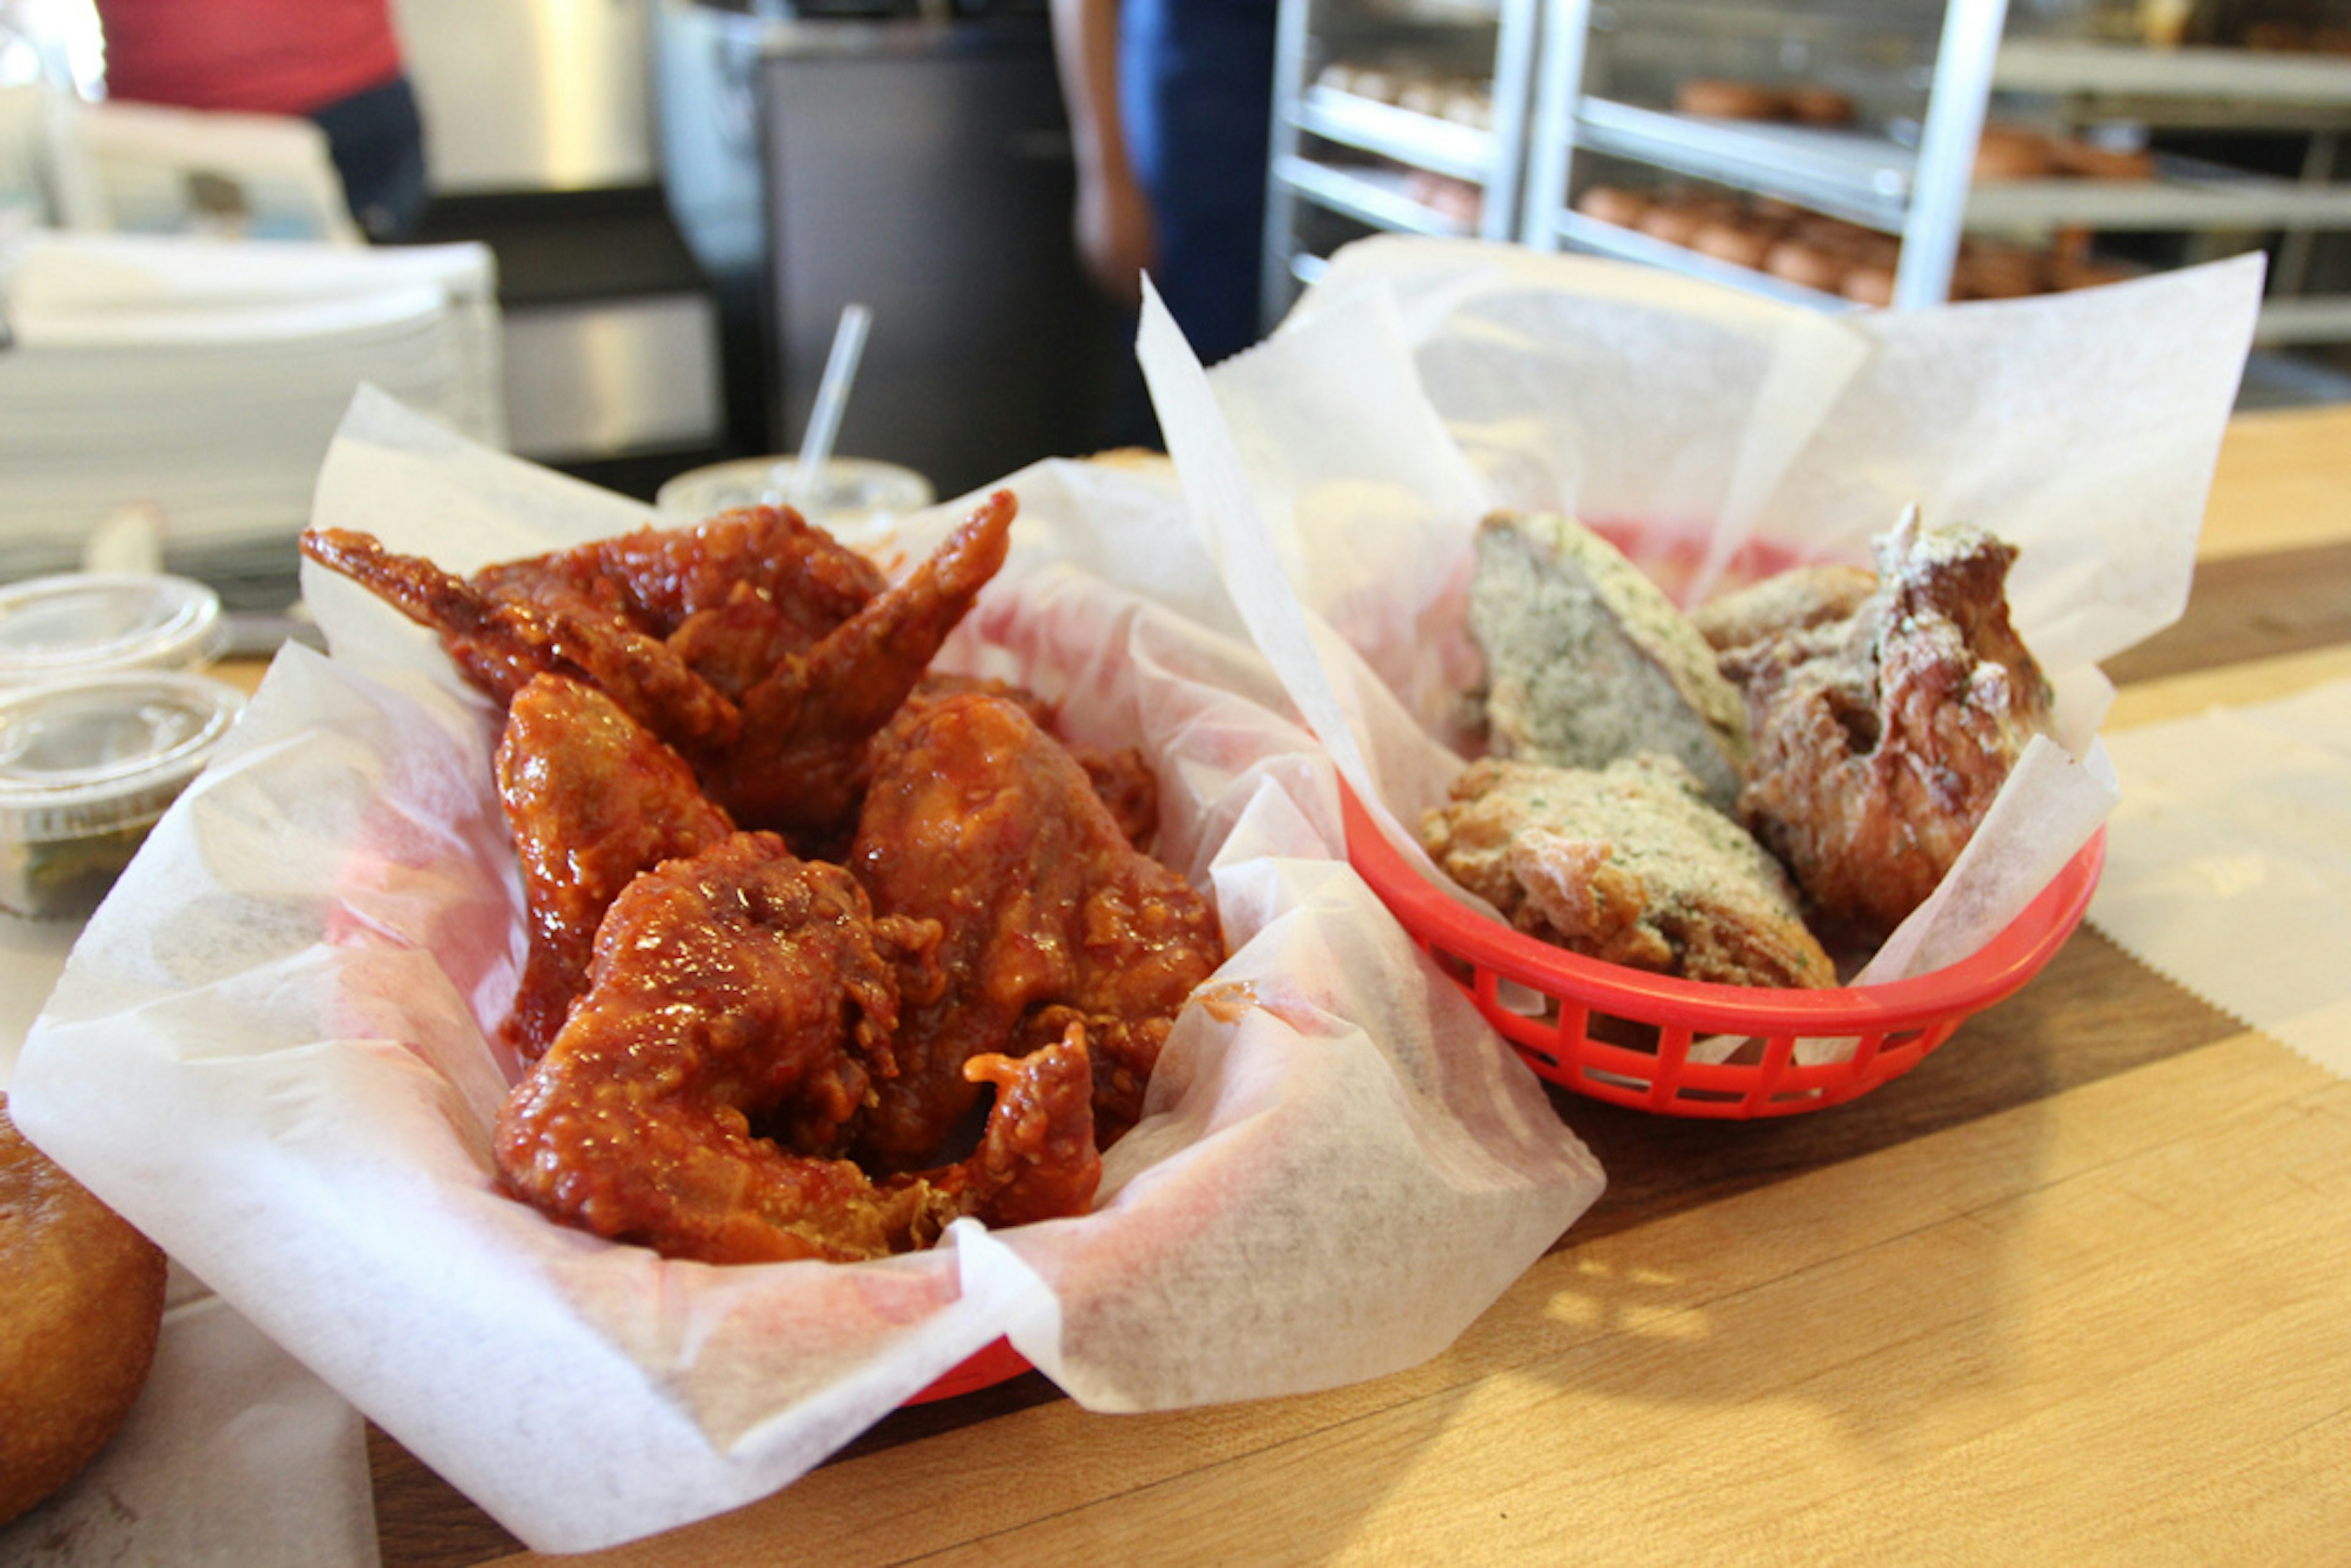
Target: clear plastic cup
[[858, 500]]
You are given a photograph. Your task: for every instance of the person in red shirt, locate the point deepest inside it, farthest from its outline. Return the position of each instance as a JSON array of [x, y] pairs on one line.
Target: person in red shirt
[[337, 63]]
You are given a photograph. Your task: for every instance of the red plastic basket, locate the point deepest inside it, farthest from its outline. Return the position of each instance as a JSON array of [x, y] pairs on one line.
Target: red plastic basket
[[993, 1363], [1657, 1017]]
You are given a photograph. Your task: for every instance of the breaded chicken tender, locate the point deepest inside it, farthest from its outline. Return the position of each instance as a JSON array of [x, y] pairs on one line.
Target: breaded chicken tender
[[1626, 864], [1588, 661]]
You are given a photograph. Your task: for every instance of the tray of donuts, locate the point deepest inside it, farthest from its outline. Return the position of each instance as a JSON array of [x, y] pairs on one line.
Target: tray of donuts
[[2005, 150], [1833, 256], [1720, 676]]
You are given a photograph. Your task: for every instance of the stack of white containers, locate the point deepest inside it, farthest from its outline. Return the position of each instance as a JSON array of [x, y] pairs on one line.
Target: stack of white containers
[[196, 383]]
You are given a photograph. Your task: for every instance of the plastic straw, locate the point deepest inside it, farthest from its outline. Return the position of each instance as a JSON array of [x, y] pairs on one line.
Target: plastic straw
[[831, 395]]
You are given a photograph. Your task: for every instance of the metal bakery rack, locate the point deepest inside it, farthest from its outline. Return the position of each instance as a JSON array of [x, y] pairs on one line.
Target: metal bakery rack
[[1582, 92], [1393, 116]]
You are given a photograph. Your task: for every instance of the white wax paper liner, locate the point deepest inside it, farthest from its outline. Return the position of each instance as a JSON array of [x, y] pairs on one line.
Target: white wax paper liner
[[2228, 865], [269, 1051], [2082, 427]]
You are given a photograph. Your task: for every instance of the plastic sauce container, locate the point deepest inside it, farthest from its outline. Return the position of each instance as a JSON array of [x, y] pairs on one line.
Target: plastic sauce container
[[86, 768], [87, 624]]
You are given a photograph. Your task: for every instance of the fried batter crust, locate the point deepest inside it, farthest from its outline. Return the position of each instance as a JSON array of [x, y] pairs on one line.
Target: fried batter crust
[[592, 798], [1881, 740], [1587, 661], [1626, 864], [1789, 600], [81, 1305], [759, 648]]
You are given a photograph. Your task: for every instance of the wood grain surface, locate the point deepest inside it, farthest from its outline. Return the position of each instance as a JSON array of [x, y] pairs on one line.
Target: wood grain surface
[[2076, 1290]]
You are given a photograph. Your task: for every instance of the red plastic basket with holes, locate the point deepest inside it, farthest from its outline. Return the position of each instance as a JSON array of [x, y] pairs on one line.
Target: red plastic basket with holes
[[1624, 1035], [993, 1363]]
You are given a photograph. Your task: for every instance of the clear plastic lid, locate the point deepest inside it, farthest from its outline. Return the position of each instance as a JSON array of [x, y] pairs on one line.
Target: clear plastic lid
[[87, 624], [90, 756]]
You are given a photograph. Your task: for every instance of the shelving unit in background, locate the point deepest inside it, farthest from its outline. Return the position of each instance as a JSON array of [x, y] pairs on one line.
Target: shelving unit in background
[[1907, 168], [1935, 62], [2303, 97], [1395, 116], [1581, 92]]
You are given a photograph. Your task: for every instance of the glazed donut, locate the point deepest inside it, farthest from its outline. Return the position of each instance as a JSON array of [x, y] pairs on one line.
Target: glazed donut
[[2088, 161], [2011, 153], [1675, 225], [1817, 105], [1867, 284], [1469, 106], [1457, 199], [1719, 99], [81, 1303], [2071, 275], [1729, 241], [1422, 98], [1612, 204], [1993, 279], [1806, 263], [1839, 238]]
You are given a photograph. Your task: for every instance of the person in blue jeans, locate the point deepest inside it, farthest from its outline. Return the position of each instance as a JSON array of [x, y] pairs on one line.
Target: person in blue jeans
[[1170, 106]]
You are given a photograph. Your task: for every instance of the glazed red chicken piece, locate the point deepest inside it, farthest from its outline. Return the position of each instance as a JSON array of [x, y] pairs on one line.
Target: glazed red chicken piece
[[739, 1013], [979, 819], [592, 798], [763, 651]]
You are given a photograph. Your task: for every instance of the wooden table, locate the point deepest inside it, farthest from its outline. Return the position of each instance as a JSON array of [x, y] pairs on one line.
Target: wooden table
[[2077, 1290]]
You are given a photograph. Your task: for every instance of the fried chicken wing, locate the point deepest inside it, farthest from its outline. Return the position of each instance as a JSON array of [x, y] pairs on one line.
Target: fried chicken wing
[[1122, 775], [979, 818], [1037, 1158], [763, 651], [739, 1013], [802, 761], [661, 580], [592, 798], [500, 638], [1880, 740]]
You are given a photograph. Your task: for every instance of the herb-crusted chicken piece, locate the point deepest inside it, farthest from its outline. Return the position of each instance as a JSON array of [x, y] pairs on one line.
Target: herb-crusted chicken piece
[[1626, 864], [1588, 661]]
